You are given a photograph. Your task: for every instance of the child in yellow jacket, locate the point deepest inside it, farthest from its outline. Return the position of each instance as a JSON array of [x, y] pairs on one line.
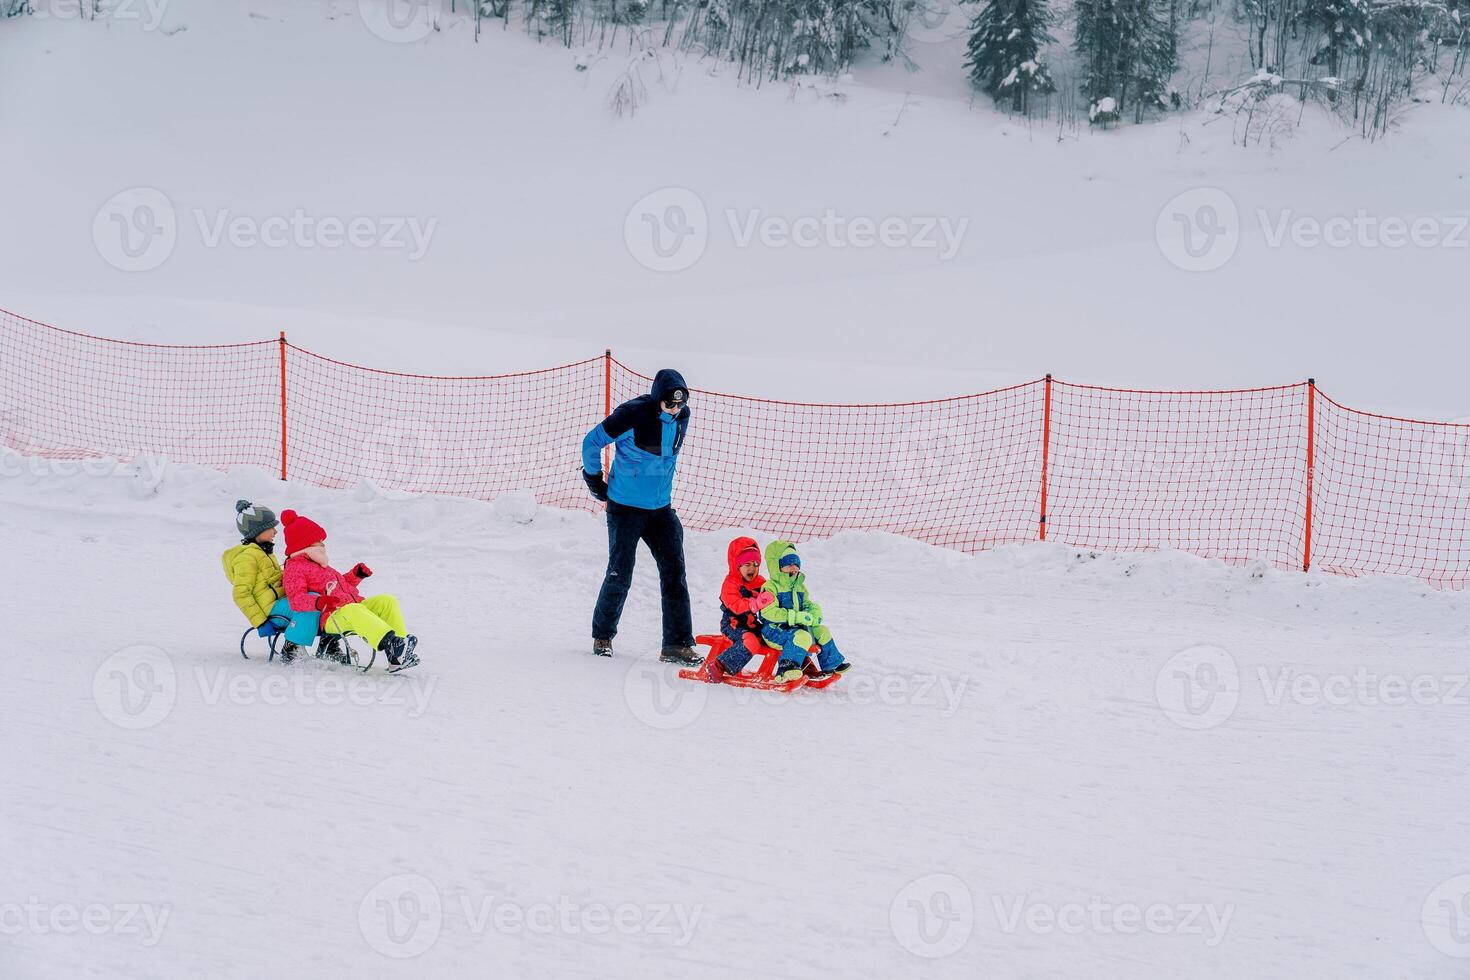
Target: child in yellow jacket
[[255, 574]]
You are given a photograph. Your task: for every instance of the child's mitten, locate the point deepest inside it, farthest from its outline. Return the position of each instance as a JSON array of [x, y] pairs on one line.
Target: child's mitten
[[805, 618], [361, 570], [761, 600]]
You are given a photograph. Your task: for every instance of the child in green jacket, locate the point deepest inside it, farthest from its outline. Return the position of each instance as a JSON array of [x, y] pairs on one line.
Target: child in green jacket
[[794, 622]]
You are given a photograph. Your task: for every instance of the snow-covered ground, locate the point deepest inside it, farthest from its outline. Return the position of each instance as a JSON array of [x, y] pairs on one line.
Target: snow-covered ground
[[1044, 763]]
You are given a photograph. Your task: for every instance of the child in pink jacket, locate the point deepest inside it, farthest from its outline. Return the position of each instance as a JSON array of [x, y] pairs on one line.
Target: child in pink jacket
[[312, 583]]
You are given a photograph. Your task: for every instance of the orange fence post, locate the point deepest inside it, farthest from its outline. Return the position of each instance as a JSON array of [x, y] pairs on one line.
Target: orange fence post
[[1045, 451], [283, 404], [1311, 470], [606, 407]]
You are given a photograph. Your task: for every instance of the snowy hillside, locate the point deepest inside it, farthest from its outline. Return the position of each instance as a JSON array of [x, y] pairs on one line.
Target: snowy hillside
[[1044, 764], [535, 209]]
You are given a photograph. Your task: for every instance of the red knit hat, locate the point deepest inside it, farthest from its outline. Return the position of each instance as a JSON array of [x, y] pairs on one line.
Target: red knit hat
[[301, 532], [747, 556]]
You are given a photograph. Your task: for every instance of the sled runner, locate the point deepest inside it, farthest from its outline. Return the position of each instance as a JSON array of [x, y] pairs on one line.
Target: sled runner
[[277, 626], [765, 657]]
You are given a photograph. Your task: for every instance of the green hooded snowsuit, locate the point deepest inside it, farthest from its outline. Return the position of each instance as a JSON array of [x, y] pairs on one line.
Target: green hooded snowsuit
[[794, 621]]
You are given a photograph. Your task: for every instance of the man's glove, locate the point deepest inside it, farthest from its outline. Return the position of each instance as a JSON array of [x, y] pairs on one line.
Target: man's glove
[[596, 485], [361, 570]]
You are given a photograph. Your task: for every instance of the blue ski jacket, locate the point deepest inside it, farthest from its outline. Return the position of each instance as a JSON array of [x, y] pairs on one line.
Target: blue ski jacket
[[646, 442]]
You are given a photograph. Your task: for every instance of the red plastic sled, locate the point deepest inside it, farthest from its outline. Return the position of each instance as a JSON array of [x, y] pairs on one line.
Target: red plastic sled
[[764, 676]]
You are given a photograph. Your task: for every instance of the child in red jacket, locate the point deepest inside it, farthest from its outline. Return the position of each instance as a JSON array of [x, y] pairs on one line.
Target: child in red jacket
[[312, 583], [741, 601]]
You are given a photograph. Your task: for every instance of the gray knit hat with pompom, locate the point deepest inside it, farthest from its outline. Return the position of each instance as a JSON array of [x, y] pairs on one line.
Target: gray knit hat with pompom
[[252, 519]]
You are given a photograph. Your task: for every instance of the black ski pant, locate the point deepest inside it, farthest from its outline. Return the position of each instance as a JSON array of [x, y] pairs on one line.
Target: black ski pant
[[661, 531]]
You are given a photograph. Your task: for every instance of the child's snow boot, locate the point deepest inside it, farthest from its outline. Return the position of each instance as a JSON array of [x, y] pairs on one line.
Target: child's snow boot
[[830, 660], [602, 648], [289, 651], [788, 671], [400, 650], [713, 671], [331, 648]]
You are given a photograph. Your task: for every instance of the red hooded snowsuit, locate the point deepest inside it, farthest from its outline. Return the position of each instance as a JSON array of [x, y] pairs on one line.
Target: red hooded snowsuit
[[735, 594]]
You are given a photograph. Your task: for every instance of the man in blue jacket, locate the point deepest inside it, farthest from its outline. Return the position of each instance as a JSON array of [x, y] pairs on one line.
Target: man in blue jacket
[[647, 434]]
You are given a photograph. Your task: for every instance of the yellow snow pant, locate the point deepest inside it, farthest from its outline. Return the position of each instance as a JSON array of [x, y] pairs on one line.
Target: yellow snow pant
[[370, 619]]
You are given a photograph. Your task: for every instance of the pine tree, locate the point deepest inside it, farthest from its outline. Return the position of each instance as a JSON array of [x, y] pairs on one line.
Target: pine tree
[[1344, 29], [1126, 49], [1004, 52]]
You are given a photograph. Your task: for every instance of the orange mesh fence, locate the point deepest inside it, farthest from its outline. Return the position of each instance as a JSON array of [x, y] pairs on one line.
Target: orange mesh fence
[[1391, 496], [961, 472], [1215, 473], [473, 437], [68, 395], [1282, 474]]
